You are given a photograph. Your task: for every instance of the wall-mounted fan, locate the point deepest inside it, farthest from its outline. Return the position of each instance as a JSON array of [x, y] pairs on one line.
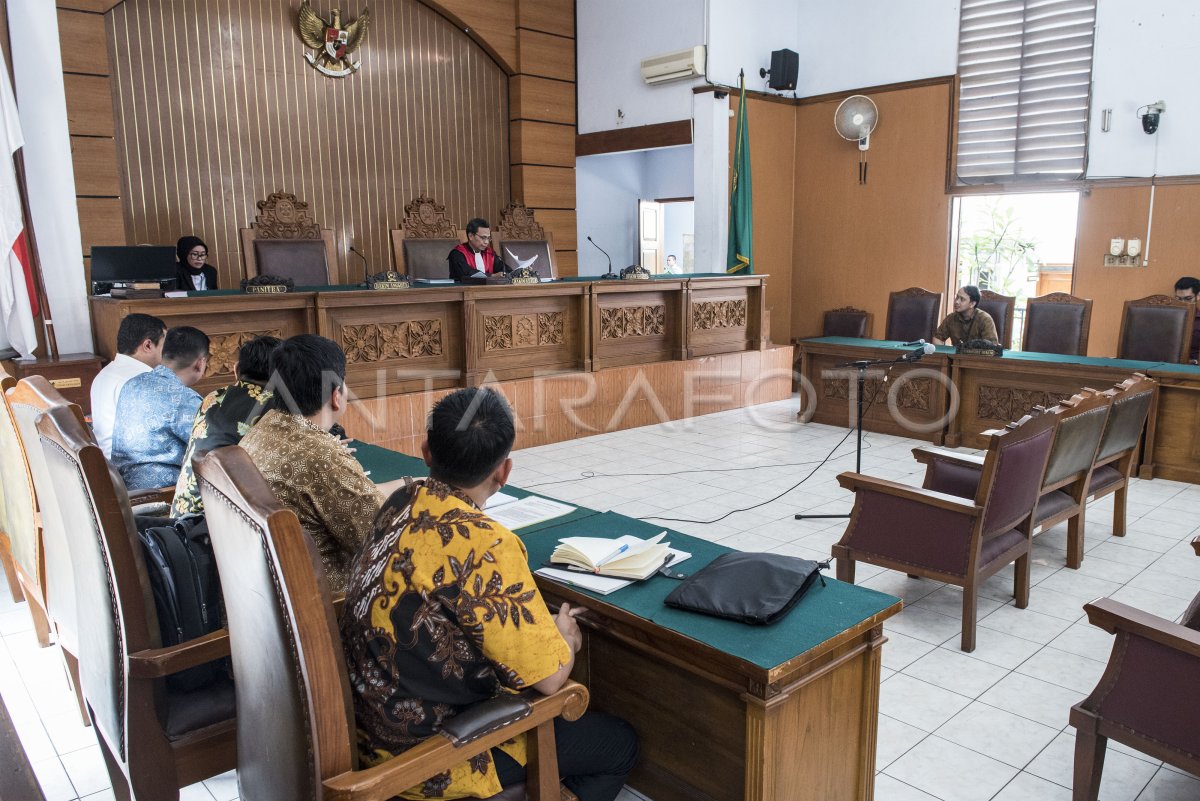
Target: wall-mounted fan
[[855, 119]]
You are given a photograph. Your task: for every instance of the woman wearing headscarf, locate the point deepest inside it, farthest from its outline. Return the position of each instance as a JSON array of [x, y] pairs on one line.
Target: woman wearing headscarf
[[193, 272]]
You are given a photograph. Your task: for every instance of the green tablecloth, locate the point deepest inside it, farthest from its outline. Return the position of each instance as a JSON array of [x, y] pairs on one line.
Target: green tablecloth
[[1011, 355], [824, 612]]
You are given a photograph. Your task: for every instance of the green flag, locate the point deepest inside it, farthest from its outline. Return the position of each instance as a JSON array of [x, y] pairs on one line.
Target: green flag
[[740, 258]]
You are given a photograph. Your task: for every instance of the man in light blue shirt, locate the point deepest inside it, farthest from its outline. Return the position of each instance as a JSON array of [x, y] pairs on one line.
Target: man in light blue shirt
[[155, 412]]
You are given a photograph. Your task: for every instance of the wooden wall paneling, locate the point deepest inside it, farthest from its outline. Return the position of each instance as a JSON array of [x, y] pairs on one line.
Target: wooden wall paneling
[[561, 225], [100, 222], [856, 243], [542, 99], [492, 24], [1108, 212], [201, 143], [94, 6], [84, 44], [89, 105], [544, 143], [773, 156], [546, 55], [551, 16], [544, 187], [94, 159], [567, 262]]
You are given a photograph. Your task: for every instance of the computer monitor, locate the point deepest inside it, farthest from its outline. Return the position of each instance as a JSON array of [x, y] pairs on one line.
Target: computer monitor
[[123, 264]]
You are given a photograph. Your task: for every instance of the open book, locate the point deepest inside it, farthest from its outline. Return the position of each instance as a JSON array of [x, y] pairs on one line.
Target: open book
[[625, 557]]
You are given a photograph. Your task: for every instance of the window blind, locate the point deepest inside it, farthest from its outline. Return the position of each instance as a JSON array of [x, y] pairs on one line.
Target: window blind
[[1025, 71]]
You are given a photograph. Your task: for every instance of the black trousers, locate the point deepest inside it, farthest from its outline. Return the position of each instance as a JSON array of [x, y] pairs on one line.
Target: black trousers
[[595, 754]]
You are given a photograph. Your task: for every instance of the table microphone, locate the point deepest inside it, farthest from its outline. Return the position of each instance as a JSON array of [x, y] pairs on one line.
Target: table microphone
[[914, 343], [919, 353], [366, 265], [605, 252]]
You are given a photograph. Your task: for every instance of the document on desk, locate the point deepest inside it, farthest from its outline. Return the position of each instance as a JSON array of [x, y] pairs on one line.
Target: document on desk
[[498, 500], [601, 585], [528, 511]]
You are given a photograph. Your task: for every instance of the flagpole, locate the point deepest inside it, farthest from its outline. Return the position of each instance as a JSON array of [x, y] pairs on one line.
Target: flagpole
[[35, 264]]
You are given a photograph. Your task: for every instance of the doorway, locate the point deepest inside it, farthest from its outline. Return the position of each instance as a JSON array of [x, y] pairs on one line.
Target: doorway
[[666, 235]]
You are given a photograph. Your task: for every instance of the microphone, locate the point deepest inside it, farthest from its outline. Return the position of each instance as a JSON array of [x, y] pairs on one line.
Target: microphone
[[914, 343], [605, 252], [366, 265], [919, 353]]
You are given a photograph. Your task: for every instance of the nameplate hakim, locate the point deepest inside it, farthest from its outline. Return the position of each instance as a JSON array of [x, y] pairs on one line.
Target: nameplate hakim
[[390, 285], [66, 383]]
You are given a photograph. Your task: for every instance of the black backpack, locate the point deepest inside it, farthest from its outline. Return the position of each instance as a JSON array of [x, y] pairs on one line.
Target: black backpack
[[187, 591]]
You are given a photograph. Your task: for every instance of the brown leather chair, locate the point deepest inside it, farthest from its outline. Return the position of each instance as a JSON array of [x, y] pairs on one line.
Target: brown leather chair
[[520, 237], [1147, 697], [285, 241], [912, 314], [957, 540], [1157, 328], [20, 524], [154, 739], [1001, 308], [846, 322], [1132, 400], [296, 726], [28, 399], [1057, 323], [422, 244], [1082, 420]]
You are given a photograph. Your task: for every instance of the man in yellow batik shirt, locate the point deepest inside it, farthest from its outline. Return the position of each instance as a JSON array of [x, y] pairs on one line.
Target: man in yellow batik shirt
[[442, 612]]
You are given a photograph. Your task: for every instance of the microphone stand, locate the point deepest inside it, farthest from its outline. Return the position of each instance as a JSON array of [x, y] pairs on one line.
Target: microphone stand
[[862, 366], [366, 266], [610, 273]]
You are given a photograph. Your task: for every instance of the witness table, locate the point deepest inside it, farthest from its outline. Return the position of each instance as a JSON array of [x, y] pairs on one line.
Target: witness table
[[725, 711], [985, 392]]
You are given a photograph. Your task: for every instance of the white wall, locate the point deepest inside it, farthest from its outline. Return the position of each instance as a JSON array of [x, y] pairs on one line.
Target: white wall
[[613, 38], [743, 34], [1145, 52]]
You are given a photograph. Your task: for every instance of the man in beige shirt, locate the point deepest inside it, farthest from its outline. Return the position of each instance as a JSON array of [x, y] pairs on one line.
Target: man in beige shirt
[[967, 322], [310, 470]]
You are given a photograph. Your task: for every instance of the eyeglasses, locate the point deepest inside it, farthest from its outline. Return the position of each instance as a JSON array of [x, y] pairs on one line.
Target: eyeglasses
[[197, 255], [484, 237]]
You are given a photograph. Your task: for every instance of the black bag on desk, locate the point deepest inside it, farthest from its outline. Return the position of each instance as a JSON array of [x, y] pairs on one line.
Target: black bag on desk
[[187, 591], [754, 588]]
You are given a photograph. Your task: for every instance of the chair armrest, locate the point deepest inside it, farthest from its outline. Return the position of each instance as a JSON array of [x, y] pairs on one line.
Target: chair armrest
[[1114, 616], [927, 455], [437, 754], [857, 482], [154, 663], [159, 495], [1196, 545]]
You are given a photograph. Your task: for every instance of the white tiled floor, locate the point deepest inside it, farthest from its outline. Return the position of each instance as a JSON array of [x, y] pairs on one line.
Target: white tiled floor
[[953, 726]]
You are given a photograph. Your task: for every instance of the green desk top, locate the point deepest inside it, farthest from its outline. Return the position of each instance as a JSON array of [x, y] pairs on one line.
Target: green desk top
[[1012, 355], [388, 465], [215, 293], [823, 613]]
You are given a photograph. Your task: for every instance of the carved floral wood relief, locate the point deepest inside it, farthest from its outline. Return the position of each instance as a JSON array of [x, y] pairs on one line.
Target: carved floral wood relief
[[425, 218], [282, 216], [915, 394], [517, 222], [632, 321], [506, 331], [223, 349], [1010, 403], [710, 314], [411, 339]]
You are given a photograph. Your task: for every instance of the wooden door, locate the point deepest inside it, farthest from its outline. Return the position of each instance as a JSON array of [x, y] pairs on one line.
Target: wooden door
[[650, 235]]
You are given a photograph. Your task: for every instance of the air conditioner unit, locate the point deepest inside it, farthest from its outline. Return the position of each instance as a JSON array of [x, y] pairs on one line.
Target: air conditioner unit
[[674, 66]]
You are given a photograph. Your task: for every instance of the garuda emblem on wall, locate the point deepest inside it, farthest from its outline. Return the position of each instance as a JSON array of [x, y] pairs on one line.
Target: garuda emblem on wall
[[333, 42]]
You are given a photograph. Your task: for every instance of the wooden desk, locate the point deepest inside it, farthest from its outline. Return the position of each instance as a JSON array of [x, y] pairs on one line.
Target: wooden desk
[[714, 723]]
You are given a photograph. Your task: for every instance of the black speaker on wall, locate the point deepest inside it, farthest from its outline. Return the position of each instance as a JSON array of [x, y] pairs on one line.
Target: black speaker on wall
[[785, 66]]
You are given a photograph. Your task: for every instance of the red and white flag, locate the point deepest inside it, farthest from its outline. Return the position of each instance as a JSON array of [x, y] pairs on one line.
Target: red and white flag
[[18, 303]]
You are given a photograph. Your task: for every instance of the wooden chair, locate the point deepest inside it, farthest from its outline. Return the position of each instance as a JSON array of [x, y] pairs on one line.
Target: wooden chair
[[424, 239], [1057, 323], [956, 540], [912, 314], [154, 739], [1001, 308], [1063, 493], [846, 322], [520, 237], [296, 726], [284, 241], [1132, 401], [21, 523], [28, 399], [1157, 328], [1147, 697]]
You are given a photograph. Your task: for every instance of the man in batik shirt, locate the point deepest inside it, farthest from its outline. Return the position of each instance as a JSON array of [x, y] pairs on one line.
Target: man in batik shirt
[[442, 613], [225, 416]]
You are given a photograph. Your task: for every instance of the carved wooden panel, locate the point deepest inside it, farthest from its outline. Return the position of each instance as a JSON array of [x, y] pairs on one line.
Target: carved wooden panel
[[509, 331], [377, 342], [282, 216], [1010, 403], [223, 349], [710, 314], [516, 222], [425, 218], [915, 394], [632, 321]]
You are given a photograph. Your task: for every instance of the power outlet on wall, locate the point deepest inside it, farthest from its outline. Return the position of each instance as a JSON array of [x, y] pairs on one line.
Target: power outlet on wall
[[1122, 261]]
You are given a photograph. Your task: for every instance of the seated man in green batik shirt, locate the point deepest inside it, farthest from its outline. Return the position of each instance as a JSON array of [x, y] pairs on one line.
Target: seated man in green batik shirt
[[225, 416], [967, 322]]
